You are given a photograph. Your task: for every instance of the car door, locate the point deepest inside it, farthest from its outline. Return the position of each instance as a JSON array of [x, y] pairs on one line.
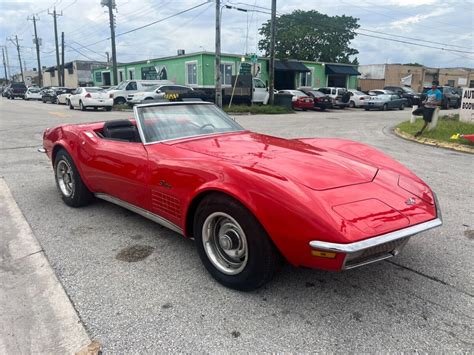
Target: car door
[[74, 99], [116, 168], [260, 91]]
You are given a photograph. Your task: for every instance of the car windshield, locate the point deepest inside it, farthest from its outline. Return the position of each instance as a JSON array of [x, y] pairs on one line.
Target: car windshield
[[297, 93], [33, 90], [175, 121], [122, 85], [408, 90], [94, 89]]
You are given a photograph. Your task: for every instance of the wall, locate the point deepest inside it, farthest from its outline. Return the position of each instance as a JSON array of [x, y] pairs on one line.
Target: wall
[[371, 84], [394, 73], [372, 71]]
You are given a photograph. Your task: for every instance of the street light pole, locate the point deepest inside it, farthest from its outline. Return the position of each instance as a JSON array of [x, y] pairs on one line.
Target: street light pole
[[40, 74], [271, 75], [218, 55]]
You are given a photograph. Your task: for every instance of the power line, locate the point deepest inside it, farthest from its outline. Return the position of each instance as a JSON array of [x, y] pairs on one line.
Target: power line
[[414, 44], [149, 24], [412, 38]]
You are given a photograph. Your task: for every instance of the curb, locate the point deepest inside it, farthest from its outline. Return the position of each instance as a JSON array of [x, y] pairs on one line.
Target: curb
[[426, 141]]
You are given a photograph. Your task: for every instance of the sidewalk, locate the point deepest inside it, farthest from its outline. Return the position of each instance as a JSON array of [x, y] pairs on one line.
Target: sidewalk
[[36, 316]]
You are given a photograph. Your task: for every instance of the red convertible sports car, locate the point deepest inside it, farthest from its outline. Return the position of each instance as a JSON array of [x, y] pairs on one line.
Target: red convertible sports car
[[249, 200]]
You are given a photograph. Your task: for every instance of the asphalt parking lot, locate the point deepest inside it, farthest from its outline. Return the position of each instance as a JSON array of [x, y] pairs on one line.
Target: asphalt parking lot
[[421, 300]]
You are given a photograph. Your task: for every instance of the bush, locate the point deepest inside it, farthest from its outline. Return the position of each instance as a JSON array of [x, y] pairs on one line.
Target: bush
[[257, 109]]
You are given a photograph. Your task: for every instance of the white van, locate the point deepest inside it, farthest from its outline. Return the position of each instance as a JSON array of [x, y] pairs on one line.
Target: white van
[[260, 91], [132, 86]]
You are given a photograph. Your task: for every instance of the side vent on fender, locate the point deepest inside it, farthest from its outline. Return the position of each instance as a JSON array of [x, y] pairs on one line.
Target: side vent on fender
[[165, 203]]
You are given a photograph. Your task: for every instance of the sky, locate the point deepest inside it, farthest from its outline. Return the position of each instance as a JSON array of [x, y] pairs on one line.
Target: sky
[[447, 23]]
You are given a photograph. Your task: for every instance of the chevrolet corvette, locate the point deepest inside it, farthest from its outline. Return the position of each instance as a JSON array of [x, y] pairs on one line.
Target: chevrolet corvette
[[249, 200]]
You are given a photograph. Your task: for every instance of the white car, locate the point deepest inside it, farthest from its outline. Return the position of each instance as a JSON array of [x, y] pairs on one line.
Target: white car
[[128, 87], [340, 96], [33, 94], [157, 92], [63, 99], [91, 97], [357, 98]]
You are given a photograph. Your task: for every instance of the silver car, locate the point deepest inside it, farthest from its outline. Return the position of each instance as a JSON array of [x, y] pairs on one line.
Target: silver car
[[157, 92]]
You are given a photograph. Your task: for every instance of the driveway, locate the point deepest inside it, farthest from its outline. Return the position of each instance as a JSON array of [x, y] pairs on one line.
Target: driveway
[[166, 302]]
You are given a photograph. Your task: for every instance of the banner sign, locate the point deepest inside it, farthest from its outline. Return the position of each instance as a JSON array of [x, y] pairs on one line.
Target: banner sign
[[466, 112]]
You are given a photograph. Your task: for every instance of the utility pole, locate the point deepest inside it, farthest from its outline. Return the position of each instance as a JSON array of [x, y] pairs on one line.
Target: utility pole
[[40, 74], [62, 59], [111, 5], [58, 67], [8, 62], [4, 64], [218, 55], [19, 56], [271, 75]]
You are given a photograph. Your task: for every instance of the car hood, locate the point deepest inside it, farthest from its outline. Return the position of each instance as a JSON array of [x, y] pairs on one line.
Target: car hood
[[316, 168]]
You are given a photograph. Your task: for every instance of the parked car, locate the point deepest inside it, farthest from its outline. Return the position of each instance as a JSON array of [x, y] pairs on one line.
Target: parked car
[[248, 200], [450, 98], [33, 93], [321, 101], [94, 97], [15, 90], [357, 98], [381, 92], [299, 100], [128, 87], [63, 97], [413, 97], [340, 96], [385, 102], [157, 92], [51, 95]]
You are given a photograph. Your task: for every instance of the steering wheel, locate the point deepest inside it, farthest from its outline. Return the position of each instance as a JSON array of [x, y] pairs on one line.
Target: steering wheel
[[206, 125]]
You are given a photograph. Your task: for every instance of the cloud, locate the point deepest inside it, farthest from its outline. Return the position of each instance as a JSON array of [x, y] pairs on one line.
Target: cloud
[[421, 17]]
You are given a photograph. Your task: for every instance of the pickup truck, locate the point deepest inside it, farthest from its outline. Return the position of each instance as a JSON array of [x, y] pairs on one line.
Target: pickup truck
[[15, 90]]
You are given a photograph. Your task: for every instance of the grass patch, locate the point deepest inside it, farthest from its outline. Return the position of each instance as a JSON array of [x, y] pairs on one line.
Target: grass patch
[[257, 109], [447, 126]]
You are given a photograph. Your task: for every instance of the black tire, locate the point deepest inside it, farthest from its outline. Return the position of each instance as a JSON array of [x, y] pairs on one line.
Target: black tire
[[81, 106], [366, 108], [352, 104], [70, 105], [95, 108], [262, 256], [120, 101], [402, 107], [44, 101], [108, 108], [80, 196], [385, 107]]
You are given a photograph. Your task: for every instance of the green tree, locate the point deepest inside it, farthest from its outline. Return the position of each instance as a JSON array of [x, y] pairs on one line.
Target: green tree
[[313, 36]]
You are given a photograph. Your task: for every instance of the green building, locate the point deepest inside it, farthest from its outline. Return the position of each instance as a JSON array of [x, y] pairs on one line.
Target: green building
[[197, 70]]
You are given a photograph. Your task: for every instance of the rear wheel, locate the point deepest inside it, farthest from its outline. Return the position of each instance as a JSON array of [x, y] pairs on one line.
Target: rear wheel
[[73, 191], [119, 101], [352, 104], [70, 105], [81, 106], [108, 108], [232, 244]]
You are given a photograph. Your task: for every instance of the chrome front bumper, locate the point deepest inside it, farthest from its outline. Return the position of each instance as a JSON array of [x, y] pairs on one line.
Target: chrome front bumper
[[377, 248]]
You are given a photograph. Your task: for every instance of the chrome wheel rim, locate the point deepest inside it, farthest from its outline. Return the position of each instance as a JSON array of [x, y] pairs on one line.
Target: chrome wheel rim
[[65, 178], [225, 243]]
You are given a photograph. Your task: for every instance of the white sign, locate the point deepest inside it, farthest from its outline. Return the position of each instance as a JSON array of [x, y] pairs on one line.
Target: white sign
[[462, 81], [406, 80], [466, 113]]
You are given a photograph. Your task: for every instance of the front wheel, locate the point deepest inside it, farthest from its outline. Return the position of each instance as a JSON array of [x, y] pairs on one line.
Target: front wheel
[[120, 101], [385, 107], [73, 191], [108, 108], [232, 244], [402, 107], [71, 107]]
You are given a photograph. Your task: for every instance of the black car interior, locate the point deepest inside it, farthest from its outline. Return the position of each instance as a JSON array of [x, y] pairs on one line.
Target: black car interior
[[121, 130]]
